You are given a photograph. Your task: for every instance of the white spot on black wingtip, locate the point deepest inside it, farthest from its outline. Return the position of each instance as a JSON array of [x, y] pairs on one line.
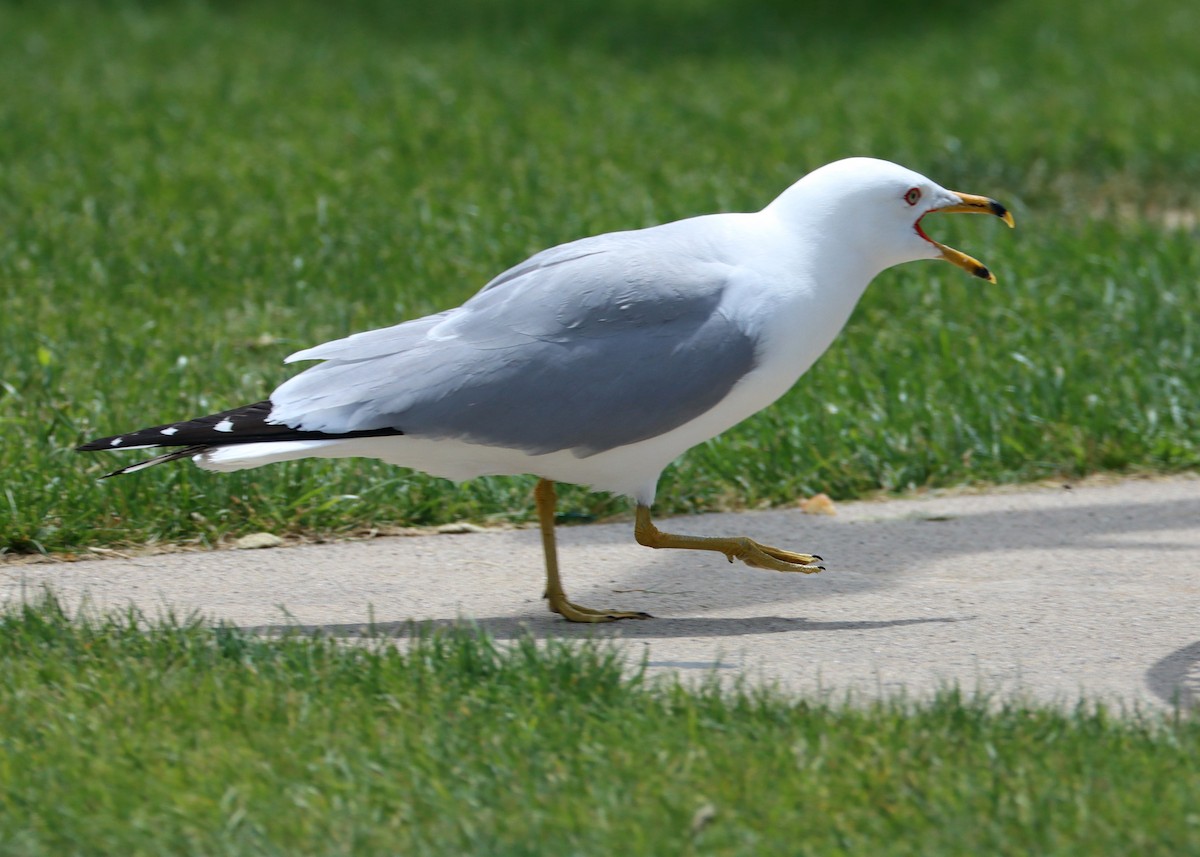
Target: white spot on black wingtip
[[224, 425], [116, 441], [170, 430]]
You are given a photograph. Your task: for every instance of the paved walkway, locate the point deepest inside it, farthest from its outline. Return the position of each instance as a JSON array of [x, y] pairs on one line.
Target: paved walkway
[[1046, 591]]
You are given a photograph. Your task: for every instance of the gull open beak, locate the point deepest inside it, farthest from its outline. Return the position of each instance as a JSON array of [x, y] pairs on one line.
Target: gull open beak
[[970, 204]]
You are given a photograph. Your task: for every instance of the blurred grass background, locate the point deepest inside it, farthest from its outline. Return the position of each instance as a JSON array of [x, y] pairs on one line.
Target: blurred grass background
[[190, 191]]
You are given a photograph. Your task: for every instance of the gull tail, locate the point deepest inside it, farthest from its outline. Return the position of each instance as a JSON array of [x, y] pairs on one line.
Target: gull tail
[[245, 425]]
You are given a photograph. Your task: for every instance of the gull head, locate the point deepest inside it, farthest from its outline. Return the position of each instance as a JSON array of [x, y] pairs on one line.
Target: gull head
[[874, 208]]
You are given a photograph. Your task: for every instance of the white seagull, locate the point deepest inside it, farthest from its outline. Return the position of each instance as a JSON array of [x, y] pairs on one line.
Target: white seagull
[[600, 361]]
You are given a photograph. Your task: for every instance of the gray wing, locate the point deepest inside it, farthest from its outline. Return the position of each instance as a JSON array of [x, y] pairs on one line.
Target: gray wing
[[588, 346]]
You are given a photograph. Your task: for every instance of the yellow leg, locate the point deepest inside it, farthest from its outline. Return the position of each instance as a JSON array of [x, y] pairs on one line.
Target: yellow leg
[[545, 497], [747, 550]]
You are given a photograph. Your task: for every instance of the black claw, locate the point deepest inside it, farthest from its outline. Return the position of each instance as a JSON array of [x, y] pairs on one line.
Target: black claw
[[817, 557]]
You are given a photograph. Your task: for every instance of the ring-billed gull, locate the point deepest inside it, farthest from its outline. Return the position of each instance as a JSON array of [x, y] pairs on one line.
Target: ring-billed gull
[[599, 361]]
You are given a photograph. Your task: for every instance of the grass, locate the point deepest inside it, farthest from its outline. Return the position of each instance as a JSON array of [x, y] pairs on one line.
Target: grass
[[190, 191], [120, 735]]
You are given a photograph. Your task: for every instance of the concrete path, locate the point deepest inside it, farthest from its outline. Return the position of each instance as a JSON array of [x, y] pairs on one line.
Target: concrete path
[[1047, 592]]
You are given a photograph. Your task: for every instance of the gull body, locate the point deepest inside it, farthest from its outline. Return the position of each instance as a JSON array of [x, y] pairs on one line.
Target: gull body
[[773, 303], [600, 361]]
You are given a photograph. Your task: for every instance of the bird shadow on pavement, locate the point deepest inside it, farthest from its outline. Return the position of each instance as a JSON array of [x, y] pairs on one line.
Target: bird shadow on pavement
[[864, 554], [547, 626]]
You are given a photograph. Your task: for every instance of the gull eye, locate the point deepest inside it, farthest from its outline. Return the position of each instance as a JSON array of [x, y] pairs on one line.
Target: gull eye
[[913, 196]]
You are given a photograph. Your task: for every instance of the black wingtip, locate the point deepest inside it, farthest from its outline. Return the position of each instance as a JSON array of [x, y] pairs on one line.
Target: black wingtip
[[173, 455], [96, 445], [247, 424]]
